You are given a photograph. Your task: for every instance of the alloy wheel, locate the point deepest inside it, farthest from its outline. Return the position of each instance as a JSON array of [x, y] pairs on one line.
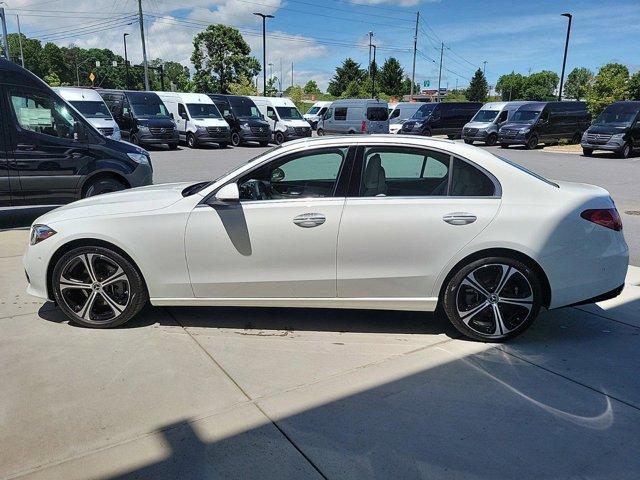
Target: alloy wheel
[[94, 287], [494, 300]]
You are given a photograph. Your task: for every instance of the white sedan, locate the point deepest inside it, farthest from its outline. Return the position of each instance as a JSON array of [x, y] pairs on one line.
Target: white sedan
[[378, 222]]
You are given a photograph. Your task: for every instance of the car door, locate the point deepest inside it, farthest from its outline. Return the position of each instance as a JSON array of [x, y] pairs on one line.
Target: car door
[[279, 240], [48, 158], [5, 186], [409, 214], [182, 121]]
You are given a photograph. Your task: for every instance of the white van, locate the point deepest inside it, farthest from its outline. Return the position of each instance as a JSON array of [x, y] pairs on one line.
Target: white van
[[355, 115], [315, 113], [285, 120], [198, 119], [92, 107], [400, 113]]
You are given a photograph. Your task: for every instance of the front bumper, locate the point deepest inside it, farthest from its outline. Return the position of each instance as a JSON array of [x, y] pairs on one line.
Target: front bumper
[[609, 146], [206, 136], [519, 139], [478, 136], [150, 139], [247, 136], [293, 135]]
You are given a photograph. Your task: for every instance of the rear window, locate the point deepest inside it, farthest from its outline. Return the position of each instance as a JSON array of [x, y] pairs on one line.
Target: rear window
[[379, 114], [526, 170]]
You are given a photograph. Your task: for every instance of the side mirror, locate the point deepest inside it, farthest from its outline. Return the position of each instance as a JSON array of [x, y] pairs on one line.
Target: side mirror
[[80, 132], [171, 115], [228, 194]]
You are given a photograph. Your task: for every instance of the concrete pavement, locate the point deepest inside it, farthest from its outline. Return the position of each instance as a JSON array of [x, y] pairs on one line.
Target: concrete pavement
[[277, 393]]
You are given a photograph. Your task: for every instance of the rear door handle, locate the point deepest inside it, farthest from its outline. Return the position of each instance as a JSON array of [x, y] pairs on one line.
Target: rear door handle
[[459, 218], [25, 146], [309, 220]]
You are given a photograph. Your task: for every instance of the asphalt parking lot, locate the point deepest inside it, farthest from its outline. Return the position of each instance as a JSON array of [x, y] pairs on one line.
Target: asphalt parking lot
[[196, 393]]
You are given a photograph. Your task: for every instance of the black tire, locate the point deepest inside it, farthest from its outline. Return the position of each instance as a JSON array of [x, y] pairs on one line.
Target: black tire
[[223, 144], [472, 312], [468, 142], [587, 152], [532, 143], [264, 144], [192, 141], [320, 132], [173, 146], [492, 139], [625, 151], [426, 133], [576, 138], [135, 139], [235, 139], [278, 138], [451, 137], [112, 304], [102, 185], [504, 145]]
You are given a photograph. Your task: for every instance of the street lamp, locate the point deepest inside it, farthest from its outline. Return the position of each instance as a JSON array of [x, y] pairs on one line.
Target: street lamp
[[126, 61], [264, 50], [564, 60]]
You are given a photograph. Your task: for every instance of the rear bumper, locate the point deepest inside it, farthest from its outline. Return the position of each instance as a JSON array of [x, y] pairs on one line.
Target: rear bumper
[[602, 297]]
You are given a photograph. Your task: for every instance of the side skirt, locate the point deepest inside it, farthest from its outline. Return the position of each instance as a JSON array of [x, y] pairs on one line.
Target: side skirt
[[419, 304]]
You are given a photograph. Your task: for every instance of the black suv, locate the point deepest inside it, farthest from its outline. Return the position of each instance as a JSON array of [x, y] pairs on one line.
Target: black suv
[[49, 154], [617, 129], [246, 122]]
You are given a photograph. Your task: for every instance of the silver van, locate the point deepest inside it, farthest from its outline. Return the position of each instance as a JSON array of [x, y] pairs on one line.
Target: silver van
[[485, 124], [355, 116]]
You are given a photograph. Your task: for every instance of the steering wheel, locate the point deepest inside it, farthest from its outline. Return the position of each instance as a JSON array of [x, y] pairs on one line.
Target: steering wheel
[[254, 190]]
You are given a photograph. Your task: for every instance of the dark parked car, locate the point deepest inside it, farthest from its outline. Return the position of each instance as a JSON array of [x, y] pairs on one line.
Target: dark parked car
[[545, 122], [246, 122], [617, 129], [49, 154], [443, 118], [142, 117]]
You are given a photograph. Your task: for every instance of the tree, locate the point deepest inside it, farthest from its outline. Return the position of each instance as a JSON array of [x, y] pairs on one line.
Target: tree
[[350, 71], [391, 78], [272, 87], [478, 88], [32, 50], [406, 87], [52, 79], [294, 93], [609, 85], [174, 73], [578, 83], [243, 86], [459, 95], [541, 86], [311, 87], [220, 56], [511, 86], [634, 86], [352, 90]]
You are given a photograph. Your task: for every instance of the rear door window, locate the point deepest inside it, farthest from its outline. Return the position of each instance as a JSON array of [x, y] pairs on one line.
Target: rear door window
[[378, 114], [469, 181], [340, 113]]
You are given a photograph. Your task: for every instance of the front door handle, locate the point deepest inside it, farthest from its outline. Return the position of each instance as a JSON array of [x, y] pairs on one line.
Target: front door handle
[[459, 218], [25, 147], [309, 220]]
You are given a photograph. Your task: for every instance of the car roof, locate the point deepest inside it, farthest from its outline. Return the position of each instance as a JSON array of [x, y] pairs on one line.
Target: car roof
[[78, 94]]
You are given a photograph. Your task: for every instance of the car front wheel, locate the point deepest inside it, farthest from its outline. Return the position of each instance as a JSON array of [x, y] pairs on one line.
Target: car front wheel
[[625, 151], [493, 299], [97, 287], [235, 139]]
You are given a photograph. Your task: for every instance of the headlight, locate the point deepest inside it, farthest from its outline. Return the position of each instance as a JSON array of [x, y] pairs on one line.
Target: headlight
[[141, 158], [40, 233], [524, 130], [143, 128], [584, 135], [291, 129], [618, 137], [245, 126]]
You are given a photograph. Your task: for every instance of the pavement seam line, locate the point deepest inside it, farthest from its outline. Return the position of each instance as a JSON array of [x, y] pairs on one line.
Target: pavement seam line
[[577, 382], [273, 422], [607, 318]]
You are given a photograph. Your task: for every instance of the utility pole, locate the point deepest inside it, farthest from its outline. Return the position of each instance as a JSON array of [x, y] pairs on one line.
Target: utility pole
[[5, 41], [264, 50], [281, 75], [564, 60], [484, 67], [440, 72], [144, 47], [126, 61], [20, 40], [415, 49], [373, 76], [291, 74], [370, 37]]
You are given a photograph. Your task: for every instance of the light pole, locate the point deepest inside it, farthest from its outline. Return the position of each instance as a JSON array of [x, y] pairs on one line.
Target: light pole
[[126, 60], [564, 60], [264, 50]]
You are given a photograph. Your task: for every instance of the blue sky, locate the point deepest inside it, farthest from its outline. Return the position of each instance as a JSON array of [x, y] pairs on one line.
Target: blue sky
[[317, 35]]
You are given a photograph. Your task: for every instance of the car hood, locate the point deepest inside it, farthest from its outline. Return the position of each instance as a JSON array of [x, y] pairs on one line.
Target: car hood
[[516, 126], [478, 124], [103, 123], [210, 122], [296, 123], [156, 122], [607, 129], [254, 121], [134, 200]]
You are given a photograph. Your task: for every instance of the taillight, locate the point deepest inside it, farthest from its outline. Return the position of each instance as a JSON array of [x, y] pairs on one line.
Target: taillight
[[363, 127], [607, 217]]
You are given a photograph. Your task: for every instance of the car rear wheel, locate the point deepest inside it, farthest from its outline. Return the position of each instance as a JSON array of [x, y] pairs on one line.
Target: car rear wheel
[[493, 299], [235, 139], [625, 151], [491, 140], [103, 185], [97, 287], [587, 152]]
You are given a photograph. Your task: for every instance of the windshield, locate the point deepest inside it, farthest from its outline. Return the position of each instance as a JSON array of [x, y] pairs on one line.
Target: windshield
[[92, 109], [244, 107], [289, 113], [203, 110], [617, 115], [424, 111], [485, 116], [149, 110], [525, 116], [313, 110]]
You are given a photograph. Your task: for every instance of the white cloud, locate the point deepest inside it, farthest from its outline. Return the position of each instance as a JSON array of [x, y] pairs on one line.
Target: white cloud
[[401, 3]]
